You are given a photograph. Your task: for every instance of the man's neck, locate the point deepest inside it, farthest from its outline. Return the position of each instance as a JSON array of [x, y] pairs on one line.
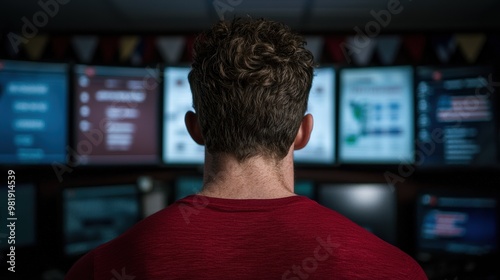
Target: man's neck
[[256, 178]]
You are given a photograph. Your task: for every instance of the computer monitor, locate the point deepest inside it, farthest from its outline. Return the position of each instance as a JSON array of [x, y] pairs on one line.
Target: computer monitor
[[33, 110], [116, 115], [376, 121], [371, 206], [454, 223], [321, 146], [23, 215], [97, 214], [305, 188], [180, 149], [178, 146], [456, 123], [186, 186]]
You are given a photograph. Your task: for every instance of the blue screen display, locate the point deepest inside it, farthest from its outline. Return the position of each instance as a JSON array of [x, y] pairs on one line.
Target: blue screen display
[[33, 109], [457, 225], [376, 121], [96, 215], [456, 123]]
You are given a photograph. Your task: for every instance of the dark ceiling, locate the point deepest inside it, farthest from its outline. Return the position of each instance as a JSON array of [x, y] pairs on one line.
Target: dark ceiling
[[175, 16]]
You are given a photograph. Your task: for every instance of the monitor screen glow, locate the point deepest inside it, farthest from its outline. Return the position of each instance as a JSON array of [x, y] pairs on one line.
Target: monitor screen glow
[[95, 215], [456, 123], [450, 223], [116, 115], [33, 112], [321, 146], [376, 115]]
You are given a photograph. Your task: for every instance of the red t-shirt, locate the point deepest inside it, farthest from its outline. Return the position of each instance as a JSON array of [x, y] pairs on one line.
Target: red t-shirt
[[200, 237]]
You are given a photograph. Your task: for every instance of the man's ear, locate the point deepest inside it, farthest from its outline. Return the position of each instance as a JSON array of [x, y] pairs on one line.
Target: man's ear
[[193, 127], [304, 132]]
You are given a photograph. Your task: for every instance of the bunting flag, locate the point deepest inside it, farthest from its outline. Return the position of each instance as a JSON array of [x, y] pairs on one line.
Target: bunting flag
[[315, 46], [190, 47], [334, 47], [494, 46], [36, 46], [127, 46], [85, 47], [388, 48], [9, 48], [361, 55], [147, 47], [445, 46], [415, 45], [108, 47], [471, 45], [60, 45], [171, 48]]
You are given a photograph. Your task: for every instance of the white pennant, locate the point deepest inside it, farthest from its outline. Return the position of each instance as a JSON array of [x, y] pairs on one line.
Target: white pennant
[[444, 50], [171, 48], [388, 48], [315, 46], [85, 47], [362, 54]]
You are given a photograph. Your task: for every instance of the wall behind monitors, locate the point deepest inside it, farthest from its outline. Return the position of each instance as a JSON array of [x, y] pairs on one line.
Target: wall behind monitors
[[116, 115], [376, 122], [33, 112], [178, 146], [456, 123], [321, 146], [95, 215]]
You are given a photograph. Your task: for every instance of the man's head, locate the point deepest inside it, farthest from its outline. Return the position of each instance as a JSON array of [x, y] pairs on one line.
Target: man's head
[[250, 81]]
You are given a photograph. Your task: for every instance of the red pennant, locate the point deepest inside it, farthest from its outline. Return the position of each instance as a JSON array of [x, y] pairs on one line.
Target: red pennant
[[108, 48], [60, 45], [189, 47], [334, 47], [415, 45], [148, 49]]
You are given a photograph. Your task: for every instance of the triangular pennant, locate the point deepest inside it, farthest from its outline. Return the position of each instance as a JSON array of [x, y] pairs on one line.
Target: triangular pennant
[[388, 48], [190, 40], [127, 46], [60, 46], [334, 48], [444, 46], [361, 55], [148, 48], [10, 49], [415, 45], [35, 46], [171, 48], [493, 46], [136, 58], [471, 45], [85, 47], [108, 47], [315, 46]]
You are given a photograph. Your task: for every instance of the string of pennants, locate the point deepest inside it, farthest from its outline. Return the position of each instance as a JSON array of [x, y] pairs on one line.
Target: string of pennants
[[355, 50]]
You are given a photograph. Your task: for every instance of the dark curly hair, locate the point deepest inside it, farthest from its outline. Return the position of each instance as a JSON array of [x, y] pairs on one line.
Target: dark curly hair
[[250, 81]]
